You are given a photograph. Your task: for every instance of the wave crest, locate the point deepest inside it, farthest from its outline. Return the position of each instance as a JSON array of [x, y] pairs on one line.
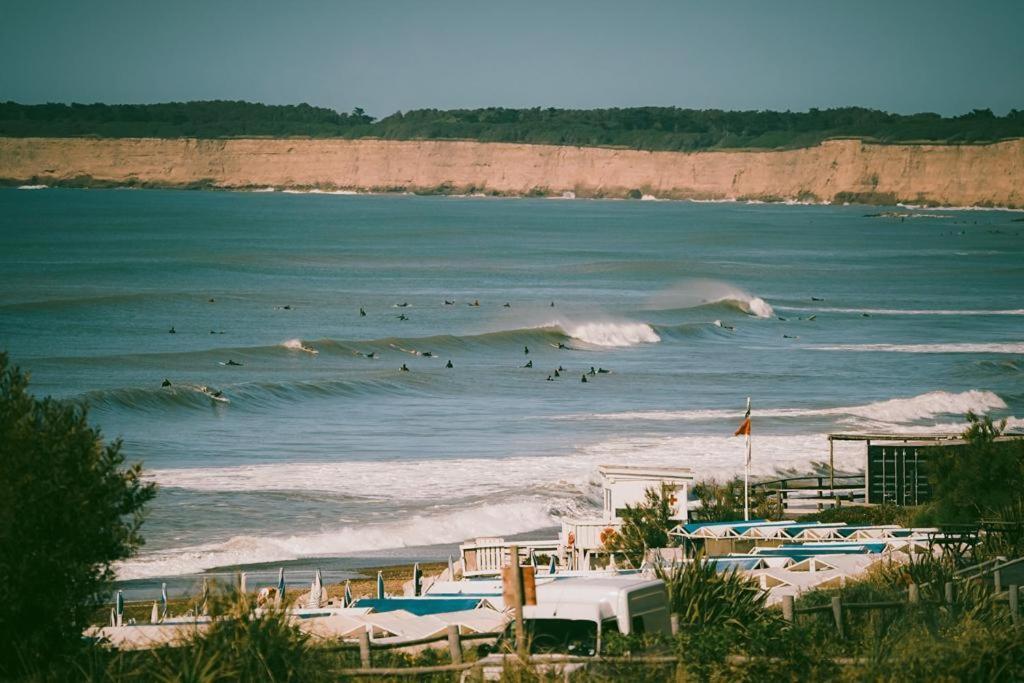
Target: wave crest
[[612, 334]]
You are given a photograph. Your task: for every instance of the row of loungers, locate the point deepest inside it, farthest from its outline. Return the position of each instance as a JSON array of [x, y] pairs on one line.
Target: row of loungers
[[764, 530]]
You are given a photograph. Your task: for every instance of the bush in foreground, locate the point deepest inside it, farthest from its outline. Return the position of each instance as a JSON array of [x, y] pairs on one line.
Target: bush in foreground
[[68, 509]]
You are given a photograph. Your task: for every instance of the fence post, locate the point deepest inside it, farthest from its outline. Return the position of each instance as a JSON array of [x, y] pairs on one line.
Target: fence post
[[949, 593], [913, 594], [1014, 604], [517, 604], [787, 608], [674, 622], [364, 649], [837, 614], [997, 581], [455, 643]]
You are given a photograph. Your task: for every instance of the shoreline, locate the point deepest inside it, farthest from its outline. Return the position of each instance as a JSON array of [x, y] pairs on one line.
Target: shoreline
[[6, 183]]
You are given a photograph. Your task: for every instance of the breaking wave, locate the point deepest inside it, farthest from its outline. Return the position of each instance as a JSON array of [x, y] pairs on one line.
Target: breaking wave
[[907, 311], [415, 530], [897, 410], [297, 345], [701, 293], [610, 334], [965, 347]]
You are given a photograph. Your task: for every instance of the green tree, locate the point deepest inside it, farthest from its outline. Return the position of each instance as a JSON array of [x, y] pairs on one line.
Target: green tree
[[980, 478], [68, 509], [723, 502], [644, 525]]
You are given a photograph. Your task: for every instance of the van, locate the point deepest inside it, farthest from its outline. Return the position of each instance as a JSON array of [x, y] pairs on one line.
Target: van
[[575, 615]]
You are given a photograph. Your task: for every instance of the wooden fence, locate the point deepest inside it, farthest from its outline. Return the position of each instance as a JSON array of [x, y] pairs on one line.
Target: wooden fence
[[838, 608]]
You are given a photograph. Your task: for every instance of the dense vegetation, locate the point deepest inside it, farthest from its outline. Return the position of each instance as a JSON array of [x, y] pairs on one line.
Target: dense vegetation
[[652, 128], [68, 509]]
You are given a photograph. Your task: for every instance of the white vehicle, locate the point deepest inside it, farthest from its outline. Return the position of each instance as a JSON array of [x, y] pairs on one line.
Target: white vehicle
[[575, 615]]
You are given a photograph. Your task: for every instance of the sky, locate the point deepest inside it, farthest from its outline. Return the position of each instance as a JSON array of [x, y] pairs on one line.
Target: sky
[[902, 56]]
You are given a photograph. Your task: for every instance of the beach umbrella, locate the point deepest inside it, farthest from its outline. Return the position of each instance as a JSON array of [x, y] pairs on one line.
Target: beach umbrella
[[119, 602], [533, 561], [163, 600], [451, 568], [279, 599], [154, 616], [347, 600], [552, 566], [417, 577], [380, 584], [316, 590]]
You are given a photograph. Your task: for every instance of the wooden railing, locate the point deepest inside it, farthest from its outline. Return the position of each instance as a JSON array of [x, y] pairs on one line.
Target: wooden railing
[[812, 493]]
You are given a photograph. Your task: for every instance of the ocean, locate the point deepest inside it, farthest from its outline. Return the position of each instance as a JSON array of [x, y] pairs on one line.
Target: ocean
[[320, 446]]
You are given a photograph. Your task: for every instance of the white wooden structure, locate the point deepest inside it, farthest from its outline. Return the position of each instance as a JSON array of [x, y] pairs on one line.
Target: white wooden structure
[[584, 537]]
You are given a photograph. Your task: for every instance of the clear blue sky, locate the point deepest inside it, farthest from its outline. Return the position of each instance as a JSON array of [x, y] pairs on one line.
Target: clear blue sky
[[898, 55]]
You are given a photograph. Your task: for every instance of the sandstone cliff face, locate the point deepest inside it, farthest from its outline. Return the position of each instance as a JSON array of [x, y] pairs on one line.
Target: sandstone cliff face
[[842, 170]]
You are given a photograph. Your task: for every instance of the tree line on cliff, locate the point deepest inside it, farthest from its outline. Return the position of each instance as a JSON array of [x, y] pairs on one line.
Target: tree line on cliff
[[649, 128]]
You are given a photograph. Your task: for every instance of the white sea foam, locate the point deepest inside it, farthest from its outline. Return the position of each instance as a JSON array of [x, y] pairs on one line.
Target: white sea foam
[[417, 530], [965, 347], [612, 334], [701, 292], [543, 487], [897, 410], [909, 311], [922, 207], [32, 187], [297, 345]]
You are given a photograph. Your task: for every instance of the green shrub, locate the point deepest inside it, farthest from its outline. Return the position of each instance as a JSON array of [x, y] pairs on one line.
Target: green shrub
[[69, 508]]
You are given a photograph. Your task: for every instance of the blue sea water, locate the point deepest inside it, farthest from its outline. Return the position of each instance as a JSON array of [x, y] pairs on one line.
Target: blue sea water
[[829, 318]]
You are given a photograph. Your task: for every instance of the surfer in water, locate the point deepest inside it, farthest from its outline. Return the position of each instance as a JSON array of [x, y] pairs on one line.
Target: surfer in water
[[814, 298], [529, 364], [475, 304], [166, 382], [556, 374], [404, 368], [526, 350], [449, 365], [404, 304], [583, 378], [592, 371], [232, 362], [550, 378], [602, 371], [371, 354], [362, 312], [171, 331], [402, 317], [427, 354], [552, 304], [508, 305], [449, 303]]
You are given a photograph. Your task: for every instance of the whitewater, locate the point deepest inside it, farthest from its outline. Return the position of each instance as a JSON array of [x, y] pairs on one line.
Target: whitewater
[[288, 432]]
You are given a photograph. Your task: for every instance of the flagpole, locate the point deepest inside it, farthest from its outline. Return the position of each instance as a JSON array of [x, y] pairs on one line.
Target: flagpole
[[746, 471]]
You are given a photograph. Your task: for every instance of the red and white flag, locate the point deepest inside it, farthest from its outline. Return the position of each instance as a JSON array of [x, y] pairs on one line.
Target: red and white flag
[[745, 430]]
